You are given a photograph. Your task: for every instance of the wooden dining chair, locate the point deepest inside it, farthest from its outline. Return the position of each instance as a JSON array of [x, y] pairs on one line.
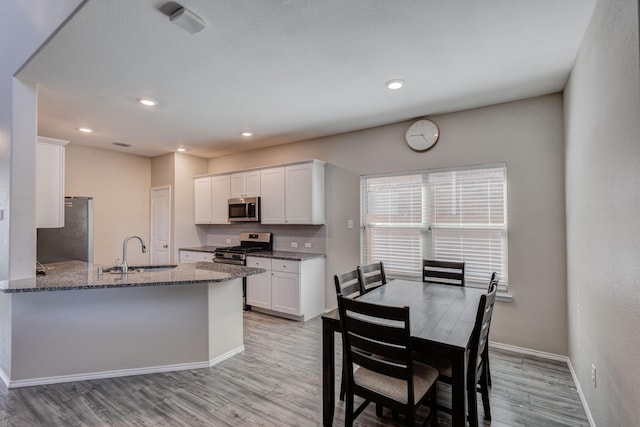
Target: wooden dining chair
[[371, 276], [348, 285], [493, 283], [377, 338], [478, 378], [443, 272]]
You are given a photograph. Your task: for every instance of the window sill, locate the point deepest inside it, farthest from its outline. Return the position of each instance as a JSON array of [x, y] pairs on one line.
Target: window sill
[[504, 297]]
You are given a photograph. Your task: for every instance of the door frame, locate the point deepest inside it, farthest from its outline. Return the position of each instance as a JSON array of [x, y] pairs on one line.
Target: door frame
[[152, 222]]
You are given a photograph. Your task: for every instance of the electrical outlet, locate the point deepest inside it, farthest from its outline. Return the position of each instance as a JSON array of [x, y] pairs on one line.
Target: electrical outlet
[[349, 223], [228, 240], [307, 245], [593, 374], [294, 244]]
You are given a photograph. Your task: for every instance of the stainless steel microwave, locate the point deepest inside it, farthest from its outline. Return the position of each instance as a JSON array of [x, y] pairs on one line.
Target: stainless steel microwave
[[244, 209]]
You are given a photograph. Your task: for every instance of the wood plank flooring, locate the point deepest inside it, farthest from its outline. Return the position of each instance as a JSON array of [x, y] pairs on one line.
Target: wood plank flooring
[[275, 382]]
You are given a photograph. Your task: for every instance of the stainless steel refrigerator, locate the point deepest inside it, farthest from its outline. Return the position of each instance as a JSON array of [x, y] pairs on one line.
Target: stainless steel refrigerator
[[74, 241]]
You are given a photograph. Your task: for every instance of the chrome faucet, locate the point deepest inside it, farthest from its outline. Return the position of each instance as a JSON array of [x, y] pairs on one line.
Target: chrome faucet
[[124, 267]]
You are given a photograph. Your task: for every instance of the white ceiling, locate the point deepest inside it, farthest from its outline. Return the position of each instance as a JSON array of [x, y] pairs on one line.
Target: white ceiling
[[290, 70]]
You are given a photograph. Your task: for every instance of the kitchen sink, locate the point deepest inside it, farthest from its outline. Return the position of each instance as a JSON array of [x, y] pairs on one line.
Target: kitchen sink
[[140, 269]]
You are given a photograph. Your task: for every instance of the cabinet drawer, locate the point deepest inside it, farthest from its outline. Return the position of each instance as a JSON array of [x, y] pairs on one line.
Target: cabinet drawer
[[195, 256], [256, 262], [285, 265]]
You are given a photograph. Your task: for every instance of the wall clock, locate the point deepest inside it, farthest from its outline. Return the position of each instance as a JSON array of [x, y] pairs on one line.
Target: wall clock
[[422, 135]]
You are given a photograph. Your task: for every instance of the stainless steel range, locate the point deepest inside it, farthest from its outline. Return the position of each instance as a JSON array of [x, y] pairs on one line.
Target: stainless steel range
[[249, 242]]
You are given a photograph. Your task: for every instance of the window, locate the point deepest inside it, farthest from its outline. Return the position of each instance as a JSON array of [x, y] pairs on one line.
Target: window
[[452, 215]]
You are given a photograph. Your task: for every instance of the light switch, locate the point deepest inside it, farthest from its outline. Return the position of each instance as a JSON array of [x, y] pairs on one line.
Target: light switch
[[349, 223]]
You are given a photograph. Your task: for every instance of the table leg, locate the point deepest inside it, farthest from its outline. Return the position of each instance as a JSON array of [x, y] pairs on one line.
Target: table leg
[[458, 389], [328, 374]]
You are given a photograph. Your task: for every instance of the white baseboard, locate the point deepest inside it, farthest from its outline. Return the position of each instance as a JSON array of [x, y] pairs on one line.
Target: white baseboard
[[530, 352], [592, 423], [117, 373], [550, 356], [226, 355]]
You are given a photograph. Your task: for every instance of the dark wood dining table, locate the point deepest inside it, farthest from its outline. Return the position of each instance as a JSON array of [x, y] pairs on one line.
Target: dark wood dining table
[[442, 320]]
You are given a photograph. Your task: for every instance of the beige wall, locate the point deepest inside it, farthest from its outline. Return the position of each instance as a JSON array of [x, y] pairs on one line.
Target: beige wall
[[187, 234], [602, 104], [527, 135], [119, 184], [178, 170]]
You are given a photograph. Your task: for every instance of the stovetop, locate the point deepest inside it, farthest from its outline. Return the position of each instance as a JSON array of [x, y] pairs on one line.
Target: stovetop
[[249, 242], [241, 249]]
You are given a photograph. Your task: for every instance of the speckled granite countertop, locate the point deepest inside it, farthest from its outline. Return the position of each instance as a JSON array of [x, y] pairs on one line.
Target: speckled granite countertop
[[292, 256], [75, 275], [201, 249]]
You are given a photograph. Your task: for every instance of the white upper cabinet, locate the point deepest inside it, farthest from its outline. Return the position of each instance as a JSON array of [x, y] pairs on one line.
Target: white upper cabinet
[[202, 197], [50, 182], [220, 199], [290, 194], [304, 193], [245, 184], [211, 199], [272, 200]]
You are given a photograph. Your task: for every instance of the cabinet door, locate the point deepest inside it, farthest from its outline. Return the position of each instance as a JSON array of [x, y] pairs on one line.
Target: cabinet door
[[259, 290], [49, 183], [285, 292], [259, 285], [202, 198], [272, 202], [299, 194], [252, 184], [220, 186], [237, 185]]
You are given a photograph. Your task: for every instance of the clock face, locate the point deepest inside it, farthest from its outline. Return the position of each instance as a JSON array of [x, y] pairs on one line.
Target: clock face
[[422, 135]]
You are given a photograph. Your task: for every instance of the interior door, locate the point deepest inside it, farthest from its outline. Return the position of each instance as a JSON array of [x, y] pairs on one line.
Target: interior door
[[161, 225]]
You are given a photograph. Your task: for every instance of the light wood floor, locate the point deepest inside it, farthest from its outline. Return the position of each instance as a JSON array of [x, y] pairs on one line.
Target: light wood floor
[[275, 382]]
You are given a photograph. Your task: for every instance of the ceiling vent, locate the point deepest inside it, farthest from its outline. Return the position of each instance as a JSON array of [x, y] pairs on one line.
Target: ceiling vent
[[122, 144]]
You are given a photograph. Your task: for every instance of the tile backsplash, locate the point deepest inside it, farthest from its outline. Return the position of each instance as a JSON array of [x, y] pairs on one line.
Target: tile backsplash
[[306, 238]]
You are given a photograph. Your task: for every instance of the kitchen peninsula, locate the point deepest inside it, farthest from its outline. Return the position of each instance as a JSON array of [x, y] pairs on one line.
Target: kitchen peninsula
[[75, 324]]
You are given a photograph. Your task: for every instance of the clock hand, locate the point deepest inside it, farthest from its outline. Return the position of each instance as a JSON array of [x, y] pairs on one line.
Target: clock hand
[[424, 137]]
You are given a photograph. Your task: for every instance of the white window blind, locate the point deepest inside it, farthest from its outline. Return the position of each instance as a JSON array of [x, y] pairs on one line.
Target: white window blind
[[450, 215]]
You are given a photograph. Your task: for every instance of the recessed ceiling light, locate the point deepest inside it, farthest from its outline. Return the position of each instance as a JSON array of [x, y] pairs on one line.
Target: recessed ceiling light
[[247, 134], [395, 84], [85, 130], [148, 102], [182, 150]]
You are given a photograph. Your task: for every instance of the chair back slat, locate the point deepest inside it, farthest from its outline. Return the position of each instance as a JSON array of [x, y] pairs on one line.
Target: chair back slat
[[376, 337], [371, 276], [443, 272], [348, 284]]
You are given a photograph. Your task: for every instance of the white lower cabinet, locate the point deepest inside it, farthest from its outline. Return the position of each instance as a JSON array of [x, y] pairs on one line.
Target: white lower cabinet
[[259, 285], [195, 256], [293, 289]]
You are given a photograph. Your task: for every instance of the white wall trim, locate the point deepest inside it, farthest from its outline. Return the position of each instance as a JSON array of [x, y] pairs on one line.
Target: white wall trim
[[118, 373], [550, 356], [103, 375], [226, 355], [592, 423], [530, 352]]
